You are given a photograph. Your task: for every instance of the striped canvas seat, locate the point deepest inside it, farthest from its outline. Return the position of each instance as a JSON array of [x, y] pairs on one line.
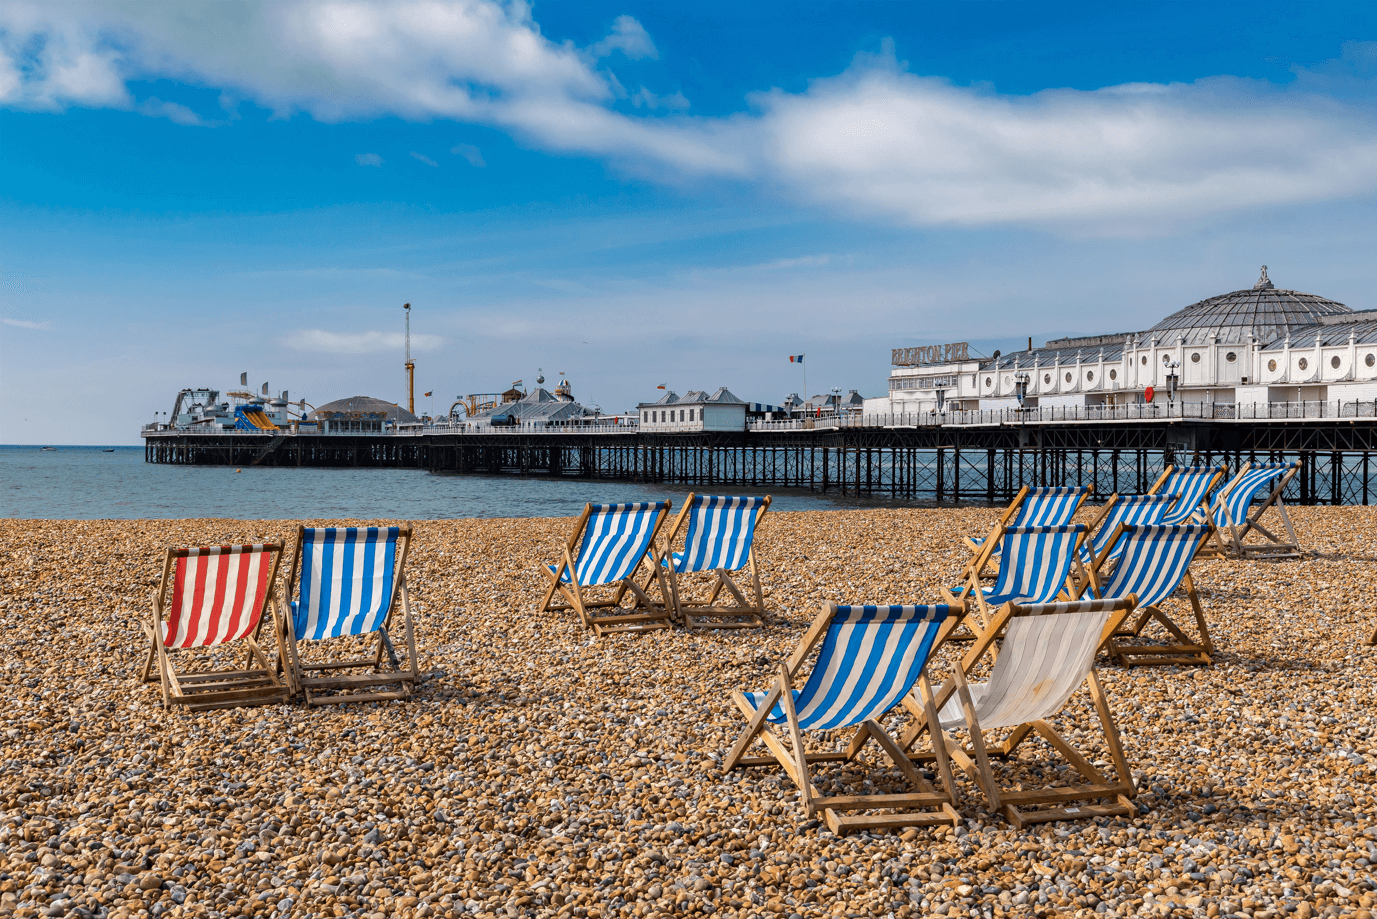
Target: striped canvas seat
[[615, 539], [212, 597], [218, 595], [1156, 562], [606, 549], [721, 530], [350, 581], [1047, 655], [870, 659], [1035, 564], [1231, 506], [1128, 510], [1191, 483], [1042, 507], [346, 581]]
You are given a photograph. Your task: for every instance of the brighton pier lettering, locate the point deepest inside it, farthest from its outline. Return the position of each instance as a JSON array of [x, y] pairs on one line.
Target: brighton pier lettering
[[930, 354]]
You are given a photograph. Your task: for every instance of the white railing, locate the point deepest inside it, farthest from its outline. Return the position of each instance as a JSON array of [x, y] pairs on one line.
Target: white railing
[[1155, 411]]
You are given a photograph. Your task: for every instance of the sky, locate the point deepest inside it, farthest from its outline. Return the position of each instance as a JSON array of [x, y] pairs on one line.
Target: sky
[[635, 194]]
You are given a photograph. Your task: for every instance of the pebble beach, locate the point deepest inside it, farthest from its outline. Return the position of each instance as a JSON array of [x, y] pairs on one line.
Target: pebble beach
[[541, 772]]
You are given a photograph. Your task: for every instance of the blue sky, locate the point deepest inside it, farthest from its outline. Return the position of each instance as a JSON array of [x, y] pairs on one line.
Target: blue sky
[[644, 193]]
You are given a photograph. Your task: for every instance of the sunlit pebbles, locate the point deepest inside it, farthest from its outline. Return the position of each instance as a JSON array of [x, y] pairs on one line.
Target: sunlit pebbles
[[542, 773]]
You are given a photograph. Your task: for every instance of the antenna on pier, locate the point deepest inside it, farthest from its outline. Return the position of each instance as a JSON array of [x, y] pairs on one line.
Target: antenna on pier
[[410, 365]]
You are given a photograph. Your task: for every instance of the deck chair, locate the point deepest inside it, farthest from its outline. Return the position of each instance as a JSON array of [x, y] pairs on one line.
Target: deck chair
[[1031, 507], [612, 540], [720, 539], [1155, 560], [870, 659], [214, 597], [349, 581], [1193, 484], [1121, 509], [1036, 566], [1048, 654], [1236, 517]]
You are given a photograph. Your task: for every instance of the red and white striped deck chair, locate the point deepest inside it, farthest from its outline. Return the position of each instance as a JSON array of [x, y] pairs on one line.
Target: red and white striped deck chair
[[212, 598]]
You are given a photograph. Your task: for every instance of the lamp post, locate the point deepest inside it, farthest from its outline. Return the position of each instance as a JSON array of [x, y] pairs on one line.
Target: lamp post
[[1172, 380], [836, 400]]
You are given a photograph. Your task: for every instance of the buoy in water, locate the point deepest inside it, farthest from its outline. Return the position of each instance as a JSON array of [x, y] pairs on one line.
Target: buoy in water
[[237, 471]]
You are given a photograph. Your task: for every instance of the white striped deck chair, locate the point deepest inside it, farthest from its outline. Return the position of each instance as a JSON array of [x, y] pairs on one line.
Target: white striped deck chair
[[214, 597], [1237, 519], [1193, 484], [720, 539], [1048, 653], [1122, 509], [1156, 562], [870, 660], [612, 541], [349, 581], [1035, 567], [1031, 507]]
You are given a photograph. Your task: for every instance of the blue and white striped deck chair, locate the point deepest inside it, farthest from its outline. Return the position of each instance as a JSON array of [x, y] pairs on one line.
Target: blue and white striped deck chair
[[1193, 485], [1122, 509], [1035, 567], [349, 581], [870, 660], [608, 545], [1236, 517], [1031, 507], [1156, 562], [720, 539]]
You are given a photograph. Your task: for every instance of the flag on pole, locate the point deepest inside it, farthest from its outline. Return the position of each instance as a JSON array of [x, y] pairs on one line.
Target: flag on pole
[[796, 358], [430, 394], [244, 378], [661, 386], [265, 389]]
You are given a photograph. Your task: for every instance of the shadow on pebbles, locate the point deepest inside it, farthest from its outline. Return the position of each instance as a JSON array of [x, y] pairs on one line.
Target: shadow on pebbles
[[539, 772]]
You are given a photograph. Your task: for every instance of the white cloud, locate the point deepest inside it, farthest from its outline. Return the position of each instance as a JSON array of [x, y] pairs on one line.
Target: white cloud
[[368, 159], [423, 158], [629, 37], [470, 153], [358, 342], [875, 142], [172, 111], [803, 261], [28, 324]]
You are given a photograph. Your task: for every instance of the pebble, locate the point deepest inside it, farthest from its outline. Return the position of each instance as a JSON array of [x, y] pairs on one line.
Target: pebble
[[541, 772]]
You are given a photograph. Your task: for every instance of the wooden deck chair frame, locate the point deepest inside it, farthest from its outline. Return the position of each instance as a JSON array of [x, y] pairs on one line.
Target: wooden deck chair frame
[[1215, 544], [1233, 534], [256, 683], [1093, 531], [971, 594], [924, 806], [748, 612], [975, 758], [320, 682], [1185, 651], [983, 552], [646, 615]]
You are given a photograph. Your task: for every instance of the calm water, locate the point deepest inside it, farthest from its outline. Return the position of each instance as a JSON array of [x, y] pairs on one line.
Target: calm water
[[85, 483]]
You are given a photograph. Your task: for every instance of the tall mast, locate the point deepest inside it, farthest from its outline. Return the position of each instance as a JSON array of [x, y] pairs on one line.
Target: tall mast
[[410, 365]]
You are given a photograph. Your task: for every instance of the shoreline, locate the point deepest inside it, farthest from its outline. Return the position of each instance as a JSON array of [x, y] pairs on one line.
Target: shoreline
[[542, 772]]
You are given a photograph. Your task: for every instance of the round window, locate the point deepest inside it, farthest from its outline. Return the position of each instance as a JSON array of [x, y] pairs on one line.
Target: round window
[[1370, 360], [1272, 365], [1046, 378], [1068, 378], [1195, 357], [1113, 374], [1007, 379], [1090, 374], [1144, 359], [1334, 362], [1303, 363], [1166, 358], [1231, 357], [988, 381]]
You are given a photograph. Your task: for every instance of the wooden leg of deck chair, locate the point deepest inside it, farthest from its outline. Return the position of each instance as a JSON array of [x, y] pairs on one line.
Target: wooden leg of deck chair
[[754, 725], [757, 589], [1111, 734], [939, 749], [985, 775], [786, 696]]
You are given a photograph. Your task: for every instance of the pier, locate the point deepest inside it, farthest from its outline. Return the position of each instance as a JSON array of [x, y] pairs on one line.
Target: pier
[[946, 460]]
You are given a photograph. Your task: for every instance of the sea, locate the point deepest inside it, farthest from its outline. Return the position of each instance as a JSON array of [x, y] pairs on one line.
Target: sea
[[99, 483]]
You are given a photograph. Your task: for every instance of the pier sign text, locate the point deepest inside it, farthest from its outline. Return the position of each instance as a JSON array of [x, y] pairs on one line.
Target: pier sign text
[[930, 354]]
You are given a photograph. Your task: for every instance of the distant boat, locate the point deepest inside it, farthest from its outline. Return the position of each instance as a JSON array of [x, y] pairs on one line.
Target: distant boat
[[108, 450], [49, 448]]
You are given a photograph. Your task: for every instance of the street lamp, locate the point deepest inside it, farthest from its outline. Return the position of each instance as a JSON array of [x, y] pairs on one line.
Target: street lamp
[[836, 400], [1172, 380], [1020, 388]]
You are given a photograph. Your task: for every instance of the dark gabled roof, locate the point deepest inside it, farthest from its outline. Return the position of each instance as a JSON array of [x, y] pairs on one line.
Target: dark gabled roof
[[395, 413]]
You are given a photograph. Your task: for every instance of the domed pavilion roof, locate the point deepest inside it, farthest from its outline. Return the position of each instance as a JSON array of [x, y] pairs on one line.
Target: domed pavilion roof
[[1265, 311], [395, 413]]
